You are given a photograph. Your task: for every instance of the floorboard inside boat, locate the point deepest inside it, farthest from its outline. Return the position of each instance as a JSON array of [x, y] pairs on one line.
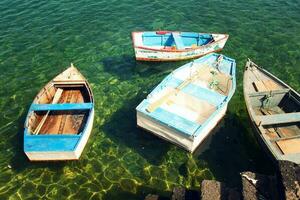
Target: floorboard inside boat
[[65, 122], [281, 131]]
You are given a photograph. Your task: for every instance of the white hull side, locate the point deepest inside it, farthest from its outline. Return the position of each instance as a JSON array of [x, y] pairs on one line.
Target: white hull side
[[163, 131], [148, 54], [169, 134], [51, 155], [64, 155], [213, 123], [85, 136]]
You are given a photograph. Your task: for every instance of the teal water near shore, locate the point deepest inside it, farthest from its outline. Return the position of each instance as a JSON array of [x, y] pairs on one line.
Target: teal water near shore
[[38, 39]]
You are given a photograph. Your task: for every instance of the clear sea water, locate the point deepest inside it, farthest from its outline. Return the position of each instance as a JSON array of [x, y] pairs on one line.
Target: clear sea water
[[38, 39]]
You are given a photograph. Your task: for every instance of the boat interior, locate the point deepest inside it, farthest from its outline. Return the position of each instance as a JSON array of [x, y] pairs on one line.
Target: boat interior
[[194, 99], [175, 40], [60, 109], [276, 111], [189, 107], [213, 79]]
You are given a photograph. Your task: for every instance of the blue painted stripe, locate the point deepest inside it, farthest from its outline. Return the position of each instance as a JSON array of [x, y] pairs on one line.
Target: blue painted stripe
[[204, 94], [63, 106], [178, 40], [46, 143], [177, 122]]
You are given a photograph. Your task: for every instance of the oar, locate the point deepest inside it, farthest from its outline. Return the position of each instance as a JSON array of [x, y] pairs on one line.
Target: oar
[[54, 101]]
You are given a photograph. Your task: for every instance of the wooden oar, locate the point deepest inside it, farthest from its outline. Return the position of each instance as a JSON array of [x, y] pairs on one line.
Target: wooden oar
[[54, 101]]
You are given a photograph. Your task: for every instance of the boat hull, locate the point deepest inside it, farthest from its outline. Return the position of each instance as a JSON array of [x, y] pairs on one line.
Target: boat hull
[[176, 137], [64, 155]]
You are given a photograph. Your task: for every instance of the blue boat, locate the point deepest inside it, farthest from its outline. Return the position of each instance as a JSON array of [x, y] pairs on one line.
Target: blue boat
[[60, 119], [186, 106]]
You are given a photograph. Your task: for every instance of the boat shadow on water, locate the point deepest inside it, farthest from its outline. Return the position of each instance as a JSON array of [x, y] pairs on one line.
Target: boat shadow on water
[[232, 149], [19, 161], [126, 67], [122, 130]]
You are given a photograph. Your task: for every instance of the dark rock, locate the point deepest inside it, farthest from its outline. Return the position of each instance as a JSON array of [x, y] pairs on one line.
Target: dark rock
[[178, 193], [258, 186], [213, 190], [152, 197], [289, 174]]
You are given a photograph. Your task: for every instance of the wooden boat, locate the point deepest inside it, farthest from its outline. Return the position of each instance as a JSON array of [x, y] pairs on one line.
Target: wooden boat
[[186, 106], [60, 119], [173, 45], [274, 109]]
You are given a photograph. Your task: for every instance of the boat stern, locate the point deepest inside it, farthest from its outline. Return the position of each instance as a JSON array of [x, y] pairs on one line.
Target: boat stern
[[220, 39]]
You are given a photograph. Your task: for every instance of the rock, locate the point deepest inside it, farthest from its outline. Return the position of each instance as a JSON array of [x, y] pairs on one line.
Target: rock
[[152, 197], [178, 193], [213, 190], [289, 176], [257, 186]]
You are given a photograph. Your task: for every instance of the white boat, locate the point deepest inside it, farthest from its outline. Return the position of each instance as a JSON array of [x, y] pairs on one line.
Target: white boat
[[186, 106], [174, 45]]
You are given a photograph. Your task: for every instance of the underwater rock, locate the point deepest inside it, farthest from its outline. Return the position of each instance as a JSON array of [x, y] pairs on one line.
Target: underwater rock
[[212, 190], [258, 186], [178, 193], [215, 190], [152, 197], [289, 174]]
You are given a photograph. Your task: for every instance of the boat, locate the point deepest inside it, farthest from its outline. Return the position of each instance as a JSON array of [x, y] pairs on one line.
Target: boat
[[186, 106], [60, 118], [174, 45], [274, 109]]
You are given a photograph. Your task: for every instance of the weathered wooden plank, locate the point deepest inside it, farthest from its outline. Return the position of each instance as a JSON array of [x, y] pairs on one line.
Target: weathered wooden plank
[[289, 146], [271, 85], [56, 98], [279, 118], [260, 87], [274, 92], [285, 138]]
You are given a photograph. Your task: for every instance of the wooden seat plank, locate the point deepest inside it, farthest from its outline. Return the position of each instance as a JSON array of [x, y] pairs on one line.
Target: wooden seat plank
[[279, 118], [274, 92]]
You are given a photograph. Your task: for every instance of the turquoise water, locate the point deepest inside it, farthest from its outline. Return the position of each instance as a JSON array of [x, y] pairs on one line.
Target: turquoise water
[[38, 39]]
